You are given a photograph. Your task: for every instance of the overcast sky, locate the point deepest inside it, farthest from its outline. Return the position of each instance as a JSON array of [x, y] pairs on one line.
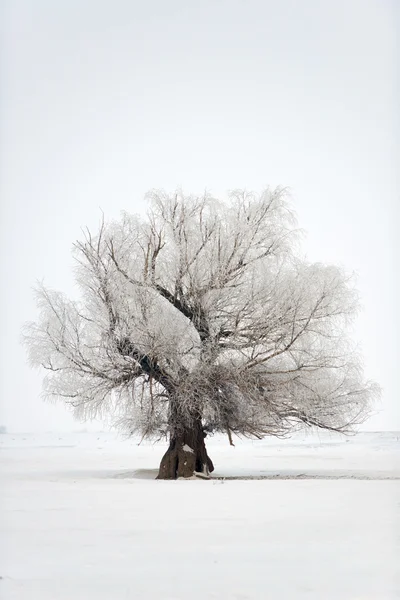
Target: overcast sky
[[102, 100]]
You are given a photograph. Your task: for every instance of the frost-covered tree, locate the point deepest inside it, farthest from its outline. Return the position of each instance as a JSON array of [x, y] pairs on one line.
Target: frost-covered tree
[[202, 318]]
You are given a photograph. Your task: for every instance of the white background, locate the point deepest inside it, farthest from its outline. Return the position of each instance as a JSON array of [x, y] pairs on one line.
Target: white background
[[103, 100]]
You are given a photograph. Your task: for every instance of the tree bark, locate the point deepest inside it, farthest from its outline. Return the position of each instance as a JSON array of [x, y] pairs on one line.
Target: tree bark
[[187, 455]]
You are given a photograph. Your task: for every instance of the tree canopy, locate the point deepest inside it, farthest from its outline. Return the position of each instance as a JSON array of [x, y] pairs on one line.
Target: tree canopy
[[203, 314]]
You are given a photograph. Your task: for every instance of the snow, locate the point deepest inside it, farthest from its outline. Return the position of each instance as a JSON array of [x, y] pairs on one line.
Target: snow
[[187, 448], [82, 518]]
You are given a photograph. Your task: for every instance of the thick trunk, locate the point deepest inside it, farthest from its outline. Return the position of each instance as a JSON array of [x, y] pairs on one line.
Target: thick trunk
[[187, 455]]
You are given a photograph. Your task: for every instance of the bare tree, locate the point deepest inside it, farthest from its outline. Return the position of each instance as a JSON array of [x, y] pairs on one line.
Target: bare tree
[[201, 319]]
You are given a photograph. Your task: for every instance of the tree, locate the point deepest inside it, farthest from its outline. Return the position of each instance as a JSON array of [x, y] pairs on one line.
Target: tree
[[203, 318]]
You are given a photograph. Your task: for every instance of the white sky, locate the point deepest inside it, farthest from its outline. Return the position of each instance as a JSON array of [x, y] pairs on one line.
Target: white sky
[[103, 100]]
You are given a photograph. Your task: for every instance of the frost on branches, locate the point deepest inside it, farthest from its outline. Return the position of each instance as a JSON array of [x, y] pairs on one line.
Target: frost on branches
[[201, 319]]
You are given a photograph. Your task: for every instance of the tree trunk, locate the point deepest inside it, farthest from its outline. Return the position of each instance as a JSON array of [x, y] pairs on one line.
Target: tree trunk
[[187, 455]]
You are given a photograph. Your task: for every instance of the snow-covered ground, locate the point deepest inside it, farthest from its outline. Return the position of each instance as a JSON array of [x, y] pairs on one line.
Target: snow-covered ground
[[83, 519]]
